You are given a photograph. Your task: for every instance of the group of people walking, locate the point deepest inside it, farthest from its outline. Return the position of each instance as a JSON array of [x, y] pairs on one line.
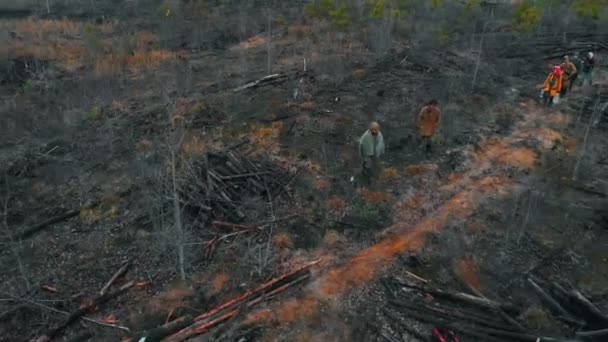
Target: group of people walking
[[560, 81], [371, 144], [557, 84]]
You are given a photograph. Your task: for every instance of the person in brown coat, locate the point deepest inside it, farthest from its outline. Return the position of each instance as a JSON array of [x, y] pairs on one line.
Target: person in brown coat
[[569, 75], [427, 122]]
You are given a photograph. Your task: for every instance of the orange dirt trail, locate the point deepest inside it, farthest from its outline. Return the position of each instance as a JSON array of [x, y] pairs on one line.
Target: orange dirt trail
[[485, 178]]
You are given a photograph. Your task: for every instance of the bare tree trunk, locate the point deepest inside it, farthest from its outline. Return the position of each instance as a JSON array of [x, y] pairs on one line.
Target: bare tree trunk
[[269, 28], [177, 214], [48, 7], [483, 34]]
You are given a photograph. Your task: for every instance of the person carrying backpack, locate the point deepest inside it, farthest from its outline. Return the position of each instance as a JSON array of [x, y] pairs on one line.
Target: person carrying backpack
[[588, 66], [552, 85], [569, 70]]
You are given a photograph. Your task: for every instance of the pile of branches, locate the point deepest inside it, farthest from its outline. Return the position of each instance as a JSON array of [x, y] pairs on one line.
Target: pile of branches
[[484, 319], [223, 183]]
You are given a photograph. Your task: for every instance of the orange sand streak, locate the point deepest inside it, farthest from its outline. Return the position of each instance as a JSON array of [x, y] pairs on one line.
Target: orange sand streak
[[366, 264]]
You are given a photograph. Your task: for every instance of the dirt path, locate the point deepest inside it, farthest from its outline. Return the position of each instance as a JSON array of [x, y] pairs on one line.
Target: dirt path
[[493, 169]]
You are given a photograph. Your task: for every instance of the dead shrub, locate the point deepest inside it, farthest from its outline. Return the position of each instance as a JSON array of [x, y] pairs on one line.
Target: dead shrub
[[322, 184], [360, 73], [337, 204], [308, 105], [371, 196], [219, 282], [282, 240], [389, 174]]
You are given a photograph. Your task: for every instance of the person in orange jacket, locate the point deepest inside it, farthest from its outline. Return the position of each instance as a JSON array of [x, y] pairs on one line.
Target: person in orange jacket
[[427, 122], [553, 85]]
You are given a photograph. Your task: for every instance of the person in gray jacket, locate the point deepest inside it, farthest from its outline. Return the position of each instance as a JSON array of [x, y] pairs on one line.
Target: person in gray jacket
[[371, 147]]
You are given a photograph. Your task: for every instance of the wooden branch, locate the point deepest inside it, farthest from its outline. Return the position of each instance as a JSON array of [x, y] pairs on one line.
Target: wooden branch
[[234, 225], [459, 296], [244, 175], [200, 327], [201, 322], [157, 334], [84, 318], [592, 333], [416, 277], [500, 311], [264, 80], [590, 307], [548, 299], [256, 291], [121, 271], [42, 225], [75, 315]]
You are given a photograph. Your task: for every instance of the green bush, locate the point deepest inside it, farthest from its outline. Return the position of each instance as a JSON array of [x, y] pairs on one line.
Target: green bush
[[589, 8], [365, 211], [526, 16], [338, 15]]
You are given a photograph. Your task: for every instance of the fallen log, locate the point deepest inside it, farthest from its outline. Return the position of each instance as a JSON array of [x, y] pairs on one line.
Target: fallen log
[[264, 80], [244, 175], [42, 225], [254, 292], [157, 334], [454, 314], [199, 327], [590, 307], [500, 311], [592, 333], [461, 297], [121, 271], [233, 225], [74, 316], [550, 301], [267, 290]]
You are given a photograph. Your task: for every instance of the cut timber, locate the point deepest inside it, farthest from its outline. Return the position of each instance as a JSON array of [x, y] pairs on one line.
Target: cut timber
[[74, 316]]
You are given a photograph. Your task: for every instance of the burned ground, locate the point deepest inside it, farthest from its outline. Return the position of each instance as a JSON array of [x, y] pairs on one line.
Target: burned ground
[[168, 156]]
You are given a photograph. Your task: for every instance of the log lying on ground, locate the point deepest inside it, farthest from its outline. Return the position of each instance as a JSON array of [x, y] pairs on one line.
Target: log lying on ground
[[42, 225], [121, 271], [208, 320], [593, 333], [157, 334], [461, 297], [480, 332], [74, 316], [550, 301], [500, 311], [589, 307]]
